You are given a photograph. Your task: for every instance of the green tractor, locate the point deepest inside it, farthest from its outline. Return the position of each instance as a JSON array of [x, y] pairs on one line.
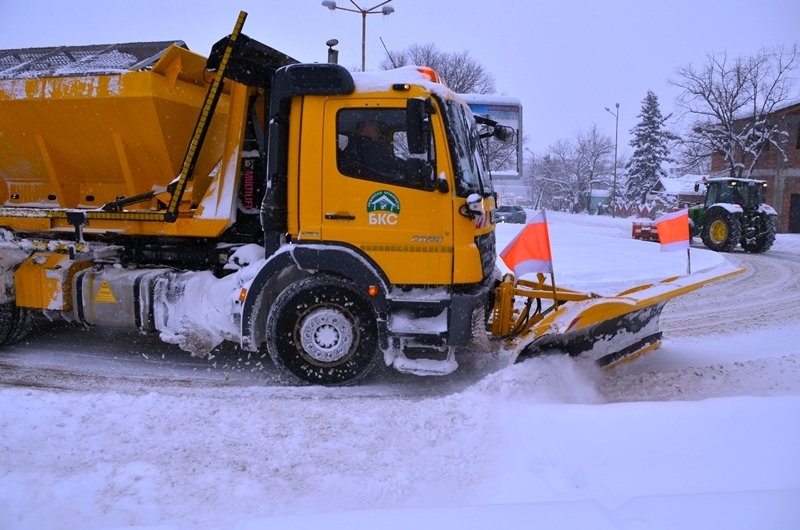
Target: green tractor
[[734, 213]]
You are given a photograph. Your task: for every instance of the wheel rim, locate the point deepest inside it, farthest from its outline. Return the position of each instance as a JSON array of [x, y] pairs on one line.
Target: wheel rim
[[326, 335], [718, 231]]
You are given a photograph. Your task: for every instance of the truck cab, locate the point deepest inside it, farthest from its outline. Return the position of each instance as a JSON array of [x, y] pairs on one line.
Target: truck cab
[[379, 168]]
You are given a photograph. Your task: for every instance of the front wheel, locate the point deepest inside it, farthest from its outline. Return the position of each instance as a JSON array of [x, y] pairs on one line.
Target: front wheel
[[721, 230], [321, 330]]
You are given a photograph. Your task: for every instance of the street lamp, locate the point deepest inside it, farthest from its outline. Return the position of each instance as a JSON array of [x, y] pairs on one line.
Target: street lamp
[[616, 139], [385, 10], [534, 200]]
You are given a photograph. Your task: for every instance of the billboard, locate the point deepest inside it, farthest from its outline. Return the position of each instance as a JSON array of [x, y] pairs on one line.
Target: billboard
[[505, 160]]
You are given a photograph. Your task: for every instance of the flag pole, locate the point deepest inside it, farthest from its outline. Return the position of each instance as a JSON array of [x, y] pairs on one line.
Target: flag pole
[[555, 296], [674, 234]]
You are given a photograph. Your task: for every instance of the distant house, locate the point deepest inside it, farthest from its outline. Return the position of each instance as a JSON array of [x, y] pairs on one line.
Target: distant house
[[600, 202], [782, 176], [678, 189]]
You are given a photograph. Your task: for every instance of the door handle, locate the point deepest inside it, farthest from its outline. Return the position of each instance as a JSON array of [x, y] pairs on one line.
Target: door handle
[[343, 216]]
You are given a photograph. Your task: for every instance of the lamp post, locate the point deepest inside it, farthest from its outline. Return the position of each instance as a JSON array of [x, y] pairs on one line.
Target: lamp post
[[616, 140], [385, 10], [534, 200]]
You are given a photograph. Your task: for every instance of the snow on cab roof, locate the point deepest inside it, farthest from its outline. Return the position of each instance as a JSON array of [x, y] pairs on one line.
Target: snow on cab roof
[[738, 179], [382, 81]]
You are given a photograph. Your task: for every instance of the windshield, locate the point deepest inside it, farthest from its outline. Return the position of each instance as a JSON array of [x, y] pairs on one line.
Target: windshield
[[748, 194], [754, 196], [471, 175]]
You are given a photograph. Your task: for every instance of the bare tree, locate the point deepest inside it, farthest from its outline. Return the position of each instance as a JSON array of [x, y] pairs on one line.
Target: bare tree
[[462, 73], [595, 150], [693, 158], [732, 102], [573, 168], [566, 173], [554, 174], [538, 178]]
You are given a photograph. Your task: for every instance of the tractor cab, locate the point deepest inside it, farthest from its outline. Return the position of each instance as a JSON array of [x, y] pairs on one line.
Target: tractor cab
[[747, 193], [734, 213]]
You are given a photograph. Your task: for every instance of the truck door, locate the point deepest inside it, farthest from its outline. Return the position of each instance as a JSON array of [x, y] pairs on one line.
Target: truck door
[[371, 200]]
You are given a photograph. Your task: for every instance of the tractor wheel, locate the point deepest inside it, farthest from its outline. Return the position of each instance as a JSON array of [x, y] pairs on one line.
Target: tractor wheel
[[763, 236], [321, 330], [721, 230], [15, 322]]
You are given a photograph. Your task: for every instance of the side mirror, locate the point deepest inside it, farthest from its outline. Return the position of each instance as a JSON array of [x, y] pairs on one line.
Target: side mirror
[[442, 186], [418, 126], [475, 203], [420, 173], [504, 133], [473, 208]]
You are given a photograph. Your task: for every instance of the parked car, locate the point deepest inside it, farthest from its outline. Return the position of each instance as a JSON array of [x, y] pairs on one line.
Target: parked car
[[510, 214]]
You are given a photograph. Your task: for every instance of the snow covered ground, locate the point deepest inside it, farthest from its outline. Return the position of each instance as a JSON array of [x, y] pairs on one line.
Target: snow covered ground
[[126, 432]]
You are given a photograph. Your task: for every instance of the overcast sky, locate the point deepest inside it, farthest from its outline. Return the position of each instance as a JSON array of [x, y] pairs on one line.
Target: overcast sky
[[566, 60]]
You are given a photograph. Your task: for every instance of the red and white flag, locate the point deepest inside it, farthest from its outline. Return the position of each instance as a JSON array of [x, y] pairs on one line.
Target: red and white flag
[[673, 231], [530, 250]]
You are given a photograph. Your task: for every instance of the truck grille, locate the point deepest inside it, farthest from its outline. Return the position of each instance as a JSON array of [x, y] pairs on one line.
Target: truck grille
[[486, 246]]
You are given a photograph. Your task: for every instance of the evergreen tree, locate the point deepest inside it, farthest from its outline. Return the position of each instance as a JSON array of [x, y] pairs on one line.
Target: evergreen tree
[[651, 148]]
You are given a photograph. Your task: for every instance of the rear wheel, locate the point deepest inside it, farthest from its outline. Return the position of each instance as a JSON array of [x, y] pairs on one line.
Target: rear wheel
[[760, 236], [15, 322], [721, 230], [321, 330]]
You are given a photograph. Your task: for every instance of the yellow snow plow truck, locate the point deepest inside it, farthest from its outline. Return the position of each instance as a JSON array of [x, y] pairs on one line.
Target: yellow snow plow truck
[[330, 219]]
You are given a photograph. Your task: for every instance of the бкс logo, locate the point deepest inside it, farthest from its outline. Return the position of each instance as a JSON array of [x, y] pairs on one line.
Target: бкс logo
[[383, 208]]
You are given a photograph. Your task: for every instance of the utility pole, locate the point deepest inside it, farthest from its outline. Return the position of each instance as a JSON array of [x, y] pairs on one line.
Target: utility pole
[[616, 142]]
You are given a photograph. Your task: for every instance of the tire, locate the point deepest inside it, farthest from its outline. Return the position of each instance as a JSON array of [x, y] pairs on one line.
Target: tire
[[321, 330], [15, 322], [762, 236], [721, 230]]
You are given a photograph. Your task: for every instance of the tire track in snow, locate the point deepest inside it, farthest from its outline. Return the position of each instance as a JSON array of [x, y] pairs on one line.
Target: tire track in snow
[[766, 295], [757, 377]]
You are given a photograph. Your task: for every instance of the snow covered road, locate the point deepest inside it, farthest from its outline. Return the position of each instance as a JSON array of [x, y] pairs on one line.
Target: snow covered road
[[106, 429]]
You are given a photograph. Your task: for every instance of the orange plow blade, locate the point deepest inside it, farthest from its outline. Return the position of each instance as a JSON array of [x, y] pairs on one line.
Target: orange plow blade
[[608, 329]]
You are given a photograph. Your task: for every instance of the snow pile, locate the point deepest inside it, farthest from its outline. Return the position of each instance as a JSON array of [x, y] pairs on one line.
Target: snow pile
[[757, 377], [198, 311], [787, 243], [9, 257], [547, 379]]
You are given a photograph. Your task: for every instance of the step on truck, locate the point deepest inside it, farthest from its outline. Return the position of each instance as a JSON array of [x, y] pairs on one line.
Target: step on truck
[[333, 220]]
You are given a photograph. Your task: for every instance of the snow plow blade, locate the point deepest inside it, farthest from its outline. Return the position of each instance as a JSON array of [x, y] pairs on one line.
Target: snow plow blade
[[644, 231], [608, 330]]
